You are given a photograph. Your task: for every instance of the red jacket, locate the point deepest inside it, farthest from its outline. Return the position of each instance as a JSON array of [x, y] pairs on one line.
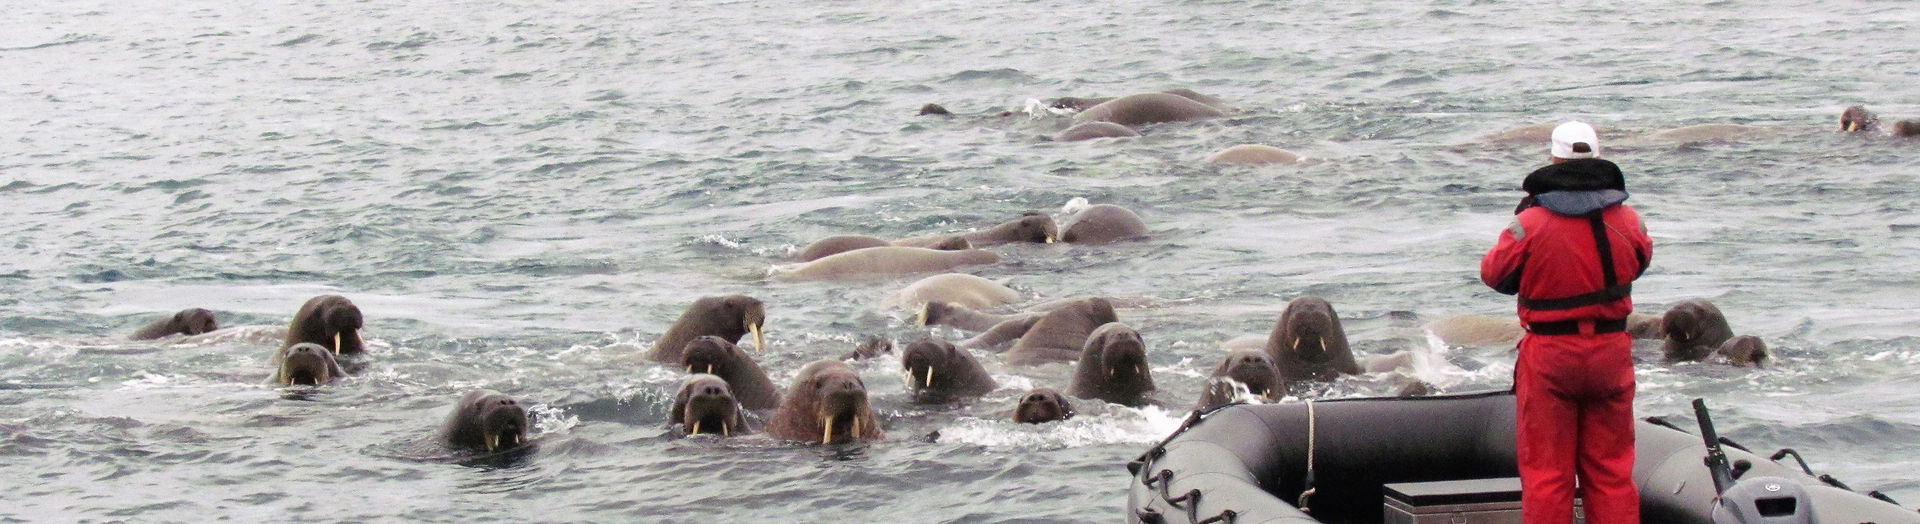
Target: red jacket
[[1554, 260]]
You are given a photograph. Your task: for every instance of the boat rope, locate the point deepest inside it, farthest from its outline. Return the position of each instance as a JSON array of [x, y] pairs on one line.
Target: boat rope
[[1307, 489]]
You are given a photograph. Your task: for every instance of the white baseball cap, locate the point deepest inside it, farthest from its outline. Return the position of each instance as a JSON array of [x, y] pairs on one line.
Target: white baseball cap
[[1568, 139]]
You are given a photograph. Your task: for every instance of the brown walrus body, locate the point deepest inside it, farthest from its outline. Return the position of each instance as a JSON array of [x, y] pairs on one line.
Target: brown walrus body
[[190, 321], [1253, 154], [1113, 367], [828, 404], [305, 364], [729, 317], [1148, 108], [331, 321], [1252, 369], [952, 288], [1103, 224], [1061, 334], [745, 380], [1309, 344], [1695, 328], [1093, 130], [943, 313], [886, 261], [1745, 350], [838, 244], [486, 421], [706, 405], [1042, 405], [938, 372]]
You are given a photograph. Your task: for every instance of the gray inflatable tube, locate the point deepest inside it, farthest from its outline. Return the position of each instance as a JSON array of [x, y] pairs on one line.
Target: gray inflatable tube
[[1249, 463]]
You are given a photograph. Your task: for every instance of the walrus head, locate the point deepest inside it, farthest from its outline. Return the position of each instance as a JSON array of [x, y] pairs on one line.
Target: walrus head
[[952, 243], [1042, 405], [1745, 350], [873, 346], [1113, 366], [840, 403], [934, 109], [753, 317], [307, 364], [1857, 118], [922, 361], [343, 322], [487, 421], [1032, 226], [1309, 330], [194, 321], [1694, 329], [710, 355], [1254, 370], [706, 405], [1906, 128]]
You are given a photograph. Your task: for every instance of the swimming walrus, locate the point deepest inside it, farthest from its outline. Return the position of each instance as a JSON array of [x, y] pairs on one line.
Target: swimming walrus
[[1249, 369], [705, 404], [1103, 223], [1093, 130], [835, 245], [1483, 330], [328, 320], [1695, 328], [952, 288], [1308, 343], [828, 402], [486, 421], [872, 347], [1042, 405], [190, 321], [938, 372], [1148, 108], [943, 313], [729, 317], [305, 364], [1745, 350], [1032, 226], [1113, 367], [1061, 334], [886, 261], [1253, 154], [1003, 333], [1857, 118], [748, 383]]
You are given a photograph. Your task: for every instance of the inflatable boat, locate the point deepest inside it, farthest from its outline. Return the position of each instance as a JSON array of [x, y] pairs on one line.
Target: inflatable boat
[[1367, 460]]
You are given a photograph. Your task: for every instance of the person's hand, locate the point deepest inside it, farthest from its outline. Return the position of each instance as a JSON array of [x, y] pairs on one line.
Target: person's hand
[[1525, 202]]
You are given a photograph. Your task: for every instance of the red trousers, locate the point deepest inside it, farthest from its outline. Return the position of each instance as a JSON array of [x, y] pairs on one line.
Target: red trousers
[[1575, 401]]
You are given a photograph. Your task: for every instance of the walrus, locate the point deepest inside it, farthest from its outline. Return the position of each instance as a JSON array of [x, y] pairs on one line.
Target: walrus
[[1103, 223], [1857, 118], [1093, 130], [1061, 335], [715, 356], [837, 244], [1032, 226], [938, 372], [872, 347], [705, 404], [1113, 367], [1482, 330], [886, 261], [1002, 333], [1148, 108], [190, 321], [486, 421], [1082, 103], [1309, 344], [1249, 369], [934, 109], [943, 313], [1704, 133], [1745, 350], [729, 317], [1253, 154], [305, 364], [828, 402], [328, 320], [1042, 405], [1695, 328], [1643, 326], [952, 288]]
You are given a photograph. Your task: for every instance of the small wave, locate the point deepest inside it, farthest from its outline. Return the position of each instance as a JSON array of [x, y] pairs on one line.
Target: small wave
[[67, 39], [1118, 426]]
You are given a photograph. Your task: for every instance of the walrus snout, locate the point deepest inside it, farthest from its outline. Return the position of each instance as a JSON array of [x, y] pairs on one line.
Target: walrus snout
[[1310, 341], [707, 354], [505, 423], [1857, 118], [1257, 372], [1125, 356], [343, 323], [1746, 350], [922, 360], [753, 318]]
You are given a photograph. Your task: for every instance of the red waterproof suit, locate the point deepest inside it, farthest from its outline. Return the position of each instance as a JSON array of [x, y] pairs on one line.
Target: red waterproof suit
[[1574, 379]]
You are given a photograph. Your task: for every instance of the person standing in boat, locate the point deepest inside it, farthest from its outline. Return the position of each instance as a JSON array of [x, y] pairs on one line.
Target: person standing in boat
[[1571, 254]]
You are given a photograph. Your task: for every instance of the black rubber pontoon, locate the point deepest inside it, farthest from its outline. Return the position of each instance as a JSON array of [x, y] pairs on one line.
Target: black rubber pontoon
[[1249, 463]]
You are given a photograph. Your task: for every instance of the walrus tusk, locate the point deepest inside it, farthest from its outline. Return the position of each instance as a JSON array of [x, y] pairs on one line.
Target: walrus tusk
[[1136, 369], [826, 436], [1853, 126], [689, 369], [336, 343], [759, 339], [1110, 371], [696, 428], [921, 319], [724, 431], [709, 369], [929, 376], [1296, 343], [493, 442], [856, 426]]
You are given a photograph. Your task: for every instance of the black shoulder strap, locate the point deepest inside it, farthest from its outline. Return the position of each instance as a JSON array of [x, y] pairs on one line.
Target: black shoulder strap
[[1613, 290]]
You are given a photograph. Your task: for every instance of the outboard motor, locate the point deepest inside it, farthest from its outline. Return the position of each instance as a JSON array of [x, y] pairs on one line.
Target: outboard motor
[[1764, 500]]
